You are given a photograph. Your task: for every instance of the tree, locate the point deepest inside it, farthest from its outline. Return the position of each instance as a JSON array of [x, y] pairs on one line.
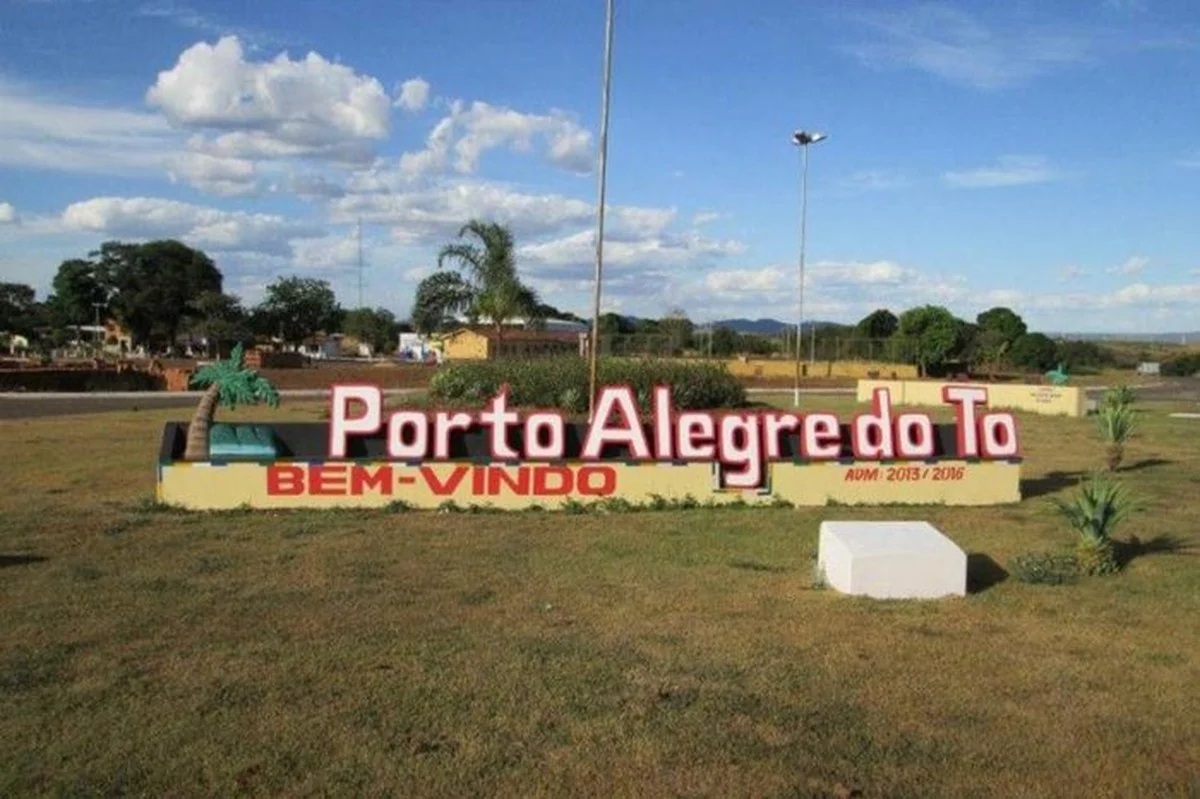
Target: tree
[[229, 383], [298, 307], [1034, 351], [878, 324], [77, 286], [375, 327], [1006, 325], [938, 334], [154, 284], [678, 329], [992, 349], [724, 341], [18, 309], [439, 297], [219, 317], [496, 292]]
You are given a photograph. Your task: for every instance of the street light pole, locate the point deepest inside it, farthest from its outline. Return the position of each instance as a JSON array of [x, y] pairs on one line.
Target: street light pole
[[97, 306], [803, 139], [602, 168]]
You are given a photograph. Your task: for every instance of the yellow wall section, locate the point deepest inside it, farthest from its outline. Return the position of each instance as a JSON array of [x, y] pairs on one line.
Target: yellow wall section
[[1045, 400], [779, 369], [465, 345], [200, 486]]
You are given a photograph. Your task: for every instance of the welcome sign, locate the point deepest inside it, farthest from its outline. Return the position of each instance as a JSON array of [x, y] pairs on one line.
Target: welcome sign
[[500, 457]]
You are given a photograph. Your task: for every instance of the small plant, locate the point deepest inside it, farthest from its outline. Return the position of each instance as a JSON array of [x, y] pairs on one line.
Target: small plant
[[573, 507], [1095, 513], [1116, 424], [1120, 395], [1046, 568], [819, 581]]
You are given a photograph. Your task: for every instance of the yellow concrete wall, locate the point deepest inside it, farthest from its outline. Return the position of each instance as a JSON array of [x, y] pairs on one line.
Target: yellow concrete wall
[[466, 345], [201, 486], [777, 368], [1041, 399]]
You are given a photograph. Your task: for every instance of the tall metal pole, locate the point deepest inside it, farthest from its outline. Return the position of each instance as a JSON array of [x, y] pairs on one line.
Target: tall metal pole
[[603, 158], [803, 233], [358, 236]]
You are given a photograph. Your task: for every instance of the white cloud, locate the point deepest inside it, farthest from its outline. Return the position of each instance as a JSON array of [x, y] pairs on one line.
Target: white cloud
[[207, 228], [230, 177], [272, 109], [40, 132], [8, 214], [952, 45], [325, 252], [704, 217], [417, 273], [1009, 170], [433, 214], [1134, 265], [875, 180], [191, 19], [462, 137], [575, 254], [414, 94]]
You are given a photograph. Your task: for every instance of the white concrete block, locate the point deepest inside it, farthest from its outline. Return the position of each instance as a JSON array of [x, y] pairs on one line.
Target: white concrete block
[[891, 560]]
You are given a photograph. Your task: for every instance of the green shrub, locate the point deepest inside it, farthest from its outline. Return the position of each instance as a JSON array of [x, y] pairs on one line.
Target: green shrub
[[1046, 568], [563, 382], [1120, 395], [1095, 514], [1183, 365], [1116, 423]]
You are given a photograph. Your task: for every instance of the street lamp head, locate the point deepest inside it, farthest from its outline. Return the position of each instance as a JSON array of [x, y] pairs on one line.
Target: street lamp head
[[803, 137]]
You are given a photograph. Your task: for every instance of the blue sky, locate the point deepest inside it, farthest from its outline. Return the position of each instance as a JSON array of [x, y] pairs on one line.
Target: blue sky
[[1044, 156]]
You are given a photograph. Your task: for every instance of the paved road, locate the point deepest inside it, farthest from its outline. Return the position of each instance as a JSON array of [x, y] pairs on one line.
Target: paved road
[[29, 405], [26, 406]]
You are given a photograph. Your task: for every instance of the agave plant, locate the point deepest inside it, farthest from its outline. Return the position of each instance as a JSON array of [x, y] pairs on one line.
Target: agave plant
[[229, 384], [1095, 514], [1120, 395], [1116, 427]]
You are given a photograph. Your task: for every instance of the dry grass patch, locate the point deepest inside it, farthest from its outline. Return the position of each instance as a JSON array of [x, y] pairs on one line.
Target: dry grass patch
[[537, 654]]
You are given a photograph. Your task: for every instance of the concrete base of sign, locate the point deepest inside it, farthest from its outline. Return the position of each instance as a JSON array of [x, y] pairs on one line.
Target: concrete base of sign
[[891, 560]]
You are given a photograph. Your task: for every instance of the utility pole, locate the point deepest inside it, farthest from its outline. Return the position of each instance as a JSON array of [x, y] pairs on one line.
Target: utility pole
[[603, 157], [97, 306], [358, 236]]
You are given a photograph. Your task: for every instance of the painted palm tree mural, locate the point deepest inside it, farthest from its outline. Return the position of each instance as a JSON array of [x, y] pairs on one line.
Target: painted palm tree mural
[[229, 384]]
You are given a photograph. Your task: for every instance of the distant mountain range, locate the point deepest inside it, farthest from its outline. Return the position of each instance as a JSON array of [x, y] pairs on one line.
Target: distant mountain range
[[774, 327], [765, 327]]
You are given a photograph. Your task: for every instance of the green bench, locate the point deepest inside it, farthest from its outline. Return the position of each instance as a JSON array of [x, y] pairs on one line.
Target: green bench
[[241, 441]]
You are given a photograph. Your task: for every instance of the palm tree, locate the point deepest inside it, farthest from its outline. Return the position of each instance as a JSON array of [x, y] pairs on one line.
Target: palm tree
[[229, 383], [439, 296], [495, 290]]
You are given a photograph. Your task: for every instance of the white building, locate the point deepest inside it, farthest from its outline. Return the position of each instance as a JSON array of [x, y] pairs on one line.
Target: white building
[[555, 325]]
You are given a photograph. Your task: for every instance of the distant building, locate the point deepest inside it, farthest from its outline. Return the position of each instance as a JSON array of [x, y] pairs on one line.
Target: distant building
[[1149, 368], [557, 325], [475, 344], [414, 347]]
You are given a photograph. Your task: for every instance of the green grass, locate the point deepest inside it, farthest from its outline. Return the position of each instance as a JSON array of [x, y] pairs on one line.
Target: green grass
[[155, 652]]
